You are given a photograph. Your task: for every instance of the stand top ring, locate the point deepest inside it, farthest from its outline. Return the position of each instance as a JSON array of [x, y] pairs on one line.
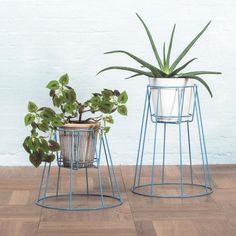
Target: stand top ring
[[177, 87]]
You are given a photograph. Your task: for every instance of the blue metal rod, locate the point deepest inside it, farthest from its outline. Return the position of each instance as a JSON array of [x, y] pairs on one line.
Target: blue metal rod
[[86, 175], [180, 143], [99, 172], [144, 139], [154, 145], [41, 184], [182, 102], [95, 148], [190, 153], [112, 168], [194, 102], [77, 158], [164, 154], [140, 139], [204, 143], [58, 180], [108, 168], [55, 138], [47, 180], [71, 167], [200, 138]]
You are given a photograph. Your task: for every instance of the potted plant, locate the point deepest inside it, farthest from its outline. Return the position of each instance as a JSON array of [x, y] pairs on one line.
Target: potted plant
[[166, 74], [69, 114]]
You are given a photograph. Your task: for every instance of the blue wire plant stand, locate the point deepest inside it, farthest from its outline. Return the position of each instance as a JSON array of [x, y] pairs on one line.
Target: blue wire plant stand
[[156, 183], [99, 192]]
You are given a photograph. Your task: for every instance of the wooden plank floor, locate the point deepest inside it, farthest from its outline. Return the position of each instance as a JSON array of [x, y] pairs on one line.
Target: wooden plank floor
[[213, 215]]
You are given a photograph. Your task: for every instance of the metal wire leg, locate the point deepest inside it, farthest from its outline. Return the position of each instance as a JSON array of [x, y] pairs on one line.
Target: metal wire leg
[[141, 141], [181, 160], [140, 138], [153, 158], [204, 151], [164, 155], [109, 172], [72, 158], [112, 168], [190, 154], [46, 185], [99, 172], [201, 142], [86, 176], [180, 112], [58, 180], [41, 183]]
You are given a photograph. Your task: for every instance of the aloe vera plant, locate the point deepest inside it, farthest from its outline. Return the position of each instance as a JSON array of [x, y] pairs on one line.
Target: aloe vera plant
[[164, 68]]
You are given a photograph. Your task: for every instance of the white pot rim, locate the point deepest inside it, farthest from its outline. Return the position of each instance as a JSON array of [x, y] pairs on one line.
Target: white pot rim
[[171, 78], [170, 82]]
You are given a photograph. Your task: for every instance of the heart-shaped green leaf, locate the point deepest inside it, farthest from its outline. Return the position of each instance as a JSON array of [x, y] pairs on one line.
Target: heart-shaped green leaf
[[53, 85], [53, 145], [122, 110], [64, 79], [29, 119], [123, 97], [32, 107]]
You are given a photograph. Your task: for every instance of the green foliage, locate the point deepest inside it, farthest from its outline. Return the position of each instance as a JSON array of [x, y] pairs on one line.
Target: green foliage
[[53, 85], [123, 97], [163, 69], [44, 121], [35, 159], [53, 145], [32, 107], [38, 147], [29, 119], [64, 79], [122, 110]]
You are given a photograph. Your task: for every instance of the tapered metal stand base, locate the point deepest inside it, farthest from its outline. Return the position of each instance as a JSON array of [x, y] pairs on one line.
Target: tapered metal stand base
[[157, 183], [72, 189]]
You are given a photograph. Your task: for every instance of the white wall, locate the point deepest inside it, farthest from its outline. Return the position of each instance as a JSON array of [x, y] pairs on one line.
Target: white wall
[[41, 39]]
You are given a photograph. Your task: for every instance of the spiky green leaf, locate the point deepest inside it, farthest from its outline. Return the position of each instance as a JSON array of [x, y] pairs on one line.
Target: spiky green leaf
[[202, 82], [185, 51], [170, 47], [152, 68], [175, 72], [150, 74], [194, 73], [164, 56], [132, 76], [152, 42]]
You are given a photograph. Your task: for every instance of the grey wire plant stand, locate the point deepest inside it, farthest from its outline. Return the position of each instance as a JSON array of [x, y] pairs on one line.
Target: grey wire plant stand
[[104, 192], [187, 184]]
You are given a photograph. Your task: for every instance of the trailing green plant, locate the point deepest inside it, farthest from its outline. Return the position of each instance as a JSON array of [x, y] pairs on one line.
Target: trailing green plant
[[44, 121], [164, 68]]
